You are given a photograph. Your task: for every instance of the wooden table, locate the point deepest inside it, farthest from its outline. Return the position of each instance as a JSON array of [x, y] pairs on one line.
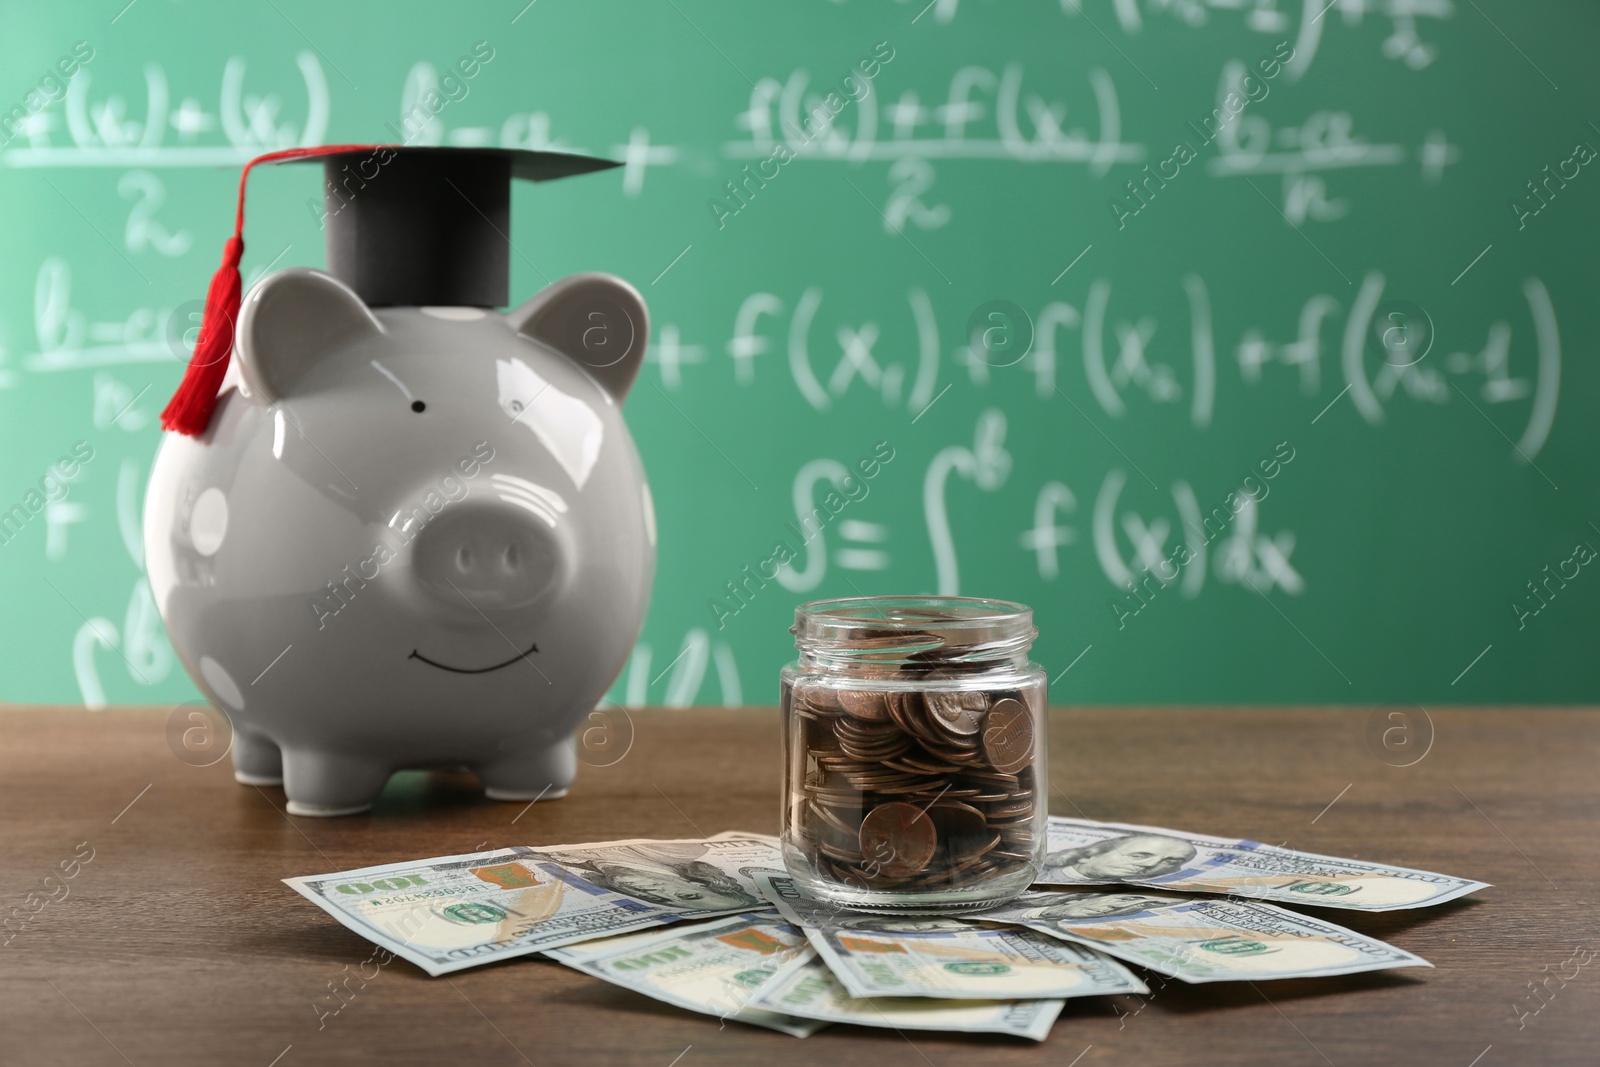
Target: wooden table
[[177, 944]]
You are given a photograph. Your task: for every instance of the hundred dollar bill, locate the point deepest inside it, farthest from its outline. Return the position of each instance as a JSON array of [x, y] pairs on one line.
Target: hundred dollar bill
[[454, 912], [710, 967], [1202, 940], [1083, 852], [941, 956], [804, 986], [605, 946]]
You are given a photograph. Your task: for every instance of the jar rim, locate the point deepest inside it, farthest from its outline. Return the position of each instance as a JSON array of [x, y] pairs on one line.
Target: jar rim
[[910, 612], [891, 631]]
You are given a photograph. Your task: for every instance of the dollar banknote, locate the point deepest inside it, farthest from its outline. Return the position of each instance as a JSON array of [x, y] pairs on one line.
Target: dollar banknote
[[604, 946], [1083, 852], [711, 967], [1200, 939], [942, 956], [453, 912], [805, 986]]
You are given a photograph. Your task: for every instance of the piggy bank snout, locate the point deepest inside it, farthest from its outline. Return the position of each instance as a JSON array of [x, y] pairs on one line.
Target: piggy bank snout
[[486, 557]]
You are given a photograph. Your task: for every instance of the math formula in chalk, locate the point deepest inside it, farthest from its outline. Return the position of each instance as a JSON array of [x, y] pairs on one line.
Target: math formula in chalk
[[1107, 348]]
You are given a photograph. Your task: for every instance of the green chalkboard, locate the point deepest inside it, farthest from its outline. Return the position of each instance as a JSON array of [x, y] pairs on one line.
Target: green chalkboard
[[1250, 341]]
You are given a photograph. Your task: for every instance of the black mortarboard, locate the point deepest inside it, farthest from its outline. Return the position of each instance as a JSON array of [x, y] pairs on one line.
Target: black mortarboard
[[405, 226], [430, 226]]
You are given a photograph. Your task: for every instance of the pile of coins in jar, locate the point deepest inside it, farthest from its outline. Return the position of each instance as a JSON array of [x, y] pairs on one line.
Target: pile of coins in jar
[[915, 789]]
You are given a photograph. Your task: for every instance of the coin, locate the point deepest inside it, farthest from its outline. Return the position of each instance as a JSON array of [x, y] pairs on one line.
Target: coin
[[1010, 810], [822, 743], [957, 711], [942, 793], [1008, 736], [962, 750], [874, 743], [852, 733], [921, 786], [865, 729], [995, 777], [827, 817], [898, 838], [885, 640], [864, 704], [829, 849], [905, 709], [883, 755], [962, 828], [819, 698], [982, 846]]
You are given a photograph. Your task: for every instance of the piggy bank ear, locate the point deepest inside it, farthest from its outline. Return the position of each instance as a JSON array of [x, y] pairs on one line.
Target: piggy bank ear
[[598, 320], [290, 320]]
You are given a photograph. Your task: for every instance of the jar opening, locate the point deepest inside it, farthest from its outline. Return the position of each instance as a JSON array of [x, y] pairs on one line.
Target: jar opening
[[911, 612], [892, 629]]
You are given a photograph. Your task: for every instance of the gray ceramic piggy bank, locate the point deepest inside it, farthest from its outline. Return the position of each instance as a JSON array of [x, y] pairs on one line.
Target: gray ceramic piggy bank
[[410, 537]]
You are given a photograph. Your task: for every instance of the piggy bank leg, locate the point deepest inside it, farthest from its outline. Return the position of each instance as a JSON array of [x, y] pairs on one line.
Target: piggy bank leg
[[535, 774], [256, 760], [331, 783]]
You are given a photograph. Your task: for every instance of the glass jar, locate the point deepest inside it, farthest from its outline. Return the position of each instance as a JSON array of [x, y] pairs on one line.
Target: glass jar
[[914, 752]]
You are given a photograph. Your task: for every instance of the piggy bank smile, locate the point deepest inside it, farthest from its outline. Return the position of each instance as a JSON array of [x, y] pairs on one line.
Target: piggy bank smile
[[519, 657]]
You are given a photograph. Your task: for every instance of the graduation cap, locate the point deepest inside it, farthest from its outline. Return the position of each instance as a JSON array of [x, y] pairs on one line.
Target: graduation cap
[[405, 226]]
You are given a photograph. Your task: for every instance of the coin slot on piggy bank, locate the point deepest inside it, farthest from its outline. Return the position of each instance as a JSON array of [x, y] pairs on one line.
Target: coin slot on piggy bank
[[914, 736]]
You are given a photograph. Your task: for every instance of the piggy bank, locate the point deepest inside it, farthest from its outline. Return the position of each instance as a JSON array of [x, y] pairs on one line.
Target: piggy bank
[[409, 537]]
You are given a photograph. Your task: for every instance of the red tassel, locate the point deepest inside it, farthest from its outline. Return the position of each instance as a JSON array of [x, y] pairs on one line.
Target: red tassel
[[189, 411]]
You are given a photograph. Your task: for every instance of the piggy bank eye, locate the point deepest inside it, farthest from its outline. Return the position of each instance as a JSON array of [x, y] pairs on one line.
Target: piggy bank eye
[[417, 405]]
